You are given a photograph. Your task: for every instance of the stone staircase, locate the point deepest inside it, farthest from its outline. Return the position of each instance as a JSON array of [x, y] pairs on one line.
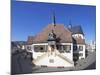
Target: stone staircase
[[65, 58], [54, 55], [39, 58]]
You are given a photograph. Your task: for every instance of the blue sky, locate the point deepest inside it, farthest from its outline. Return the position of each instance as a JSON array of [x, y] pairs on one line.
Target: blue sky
[[29, 18]]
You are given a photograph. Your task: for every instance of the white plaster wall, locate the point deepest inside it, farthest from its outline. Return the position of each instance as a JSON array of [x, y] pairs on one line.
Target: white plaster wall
[[37, 54], [66, 44], [72, 52], [67, 55], [40, 44], [83, 51]]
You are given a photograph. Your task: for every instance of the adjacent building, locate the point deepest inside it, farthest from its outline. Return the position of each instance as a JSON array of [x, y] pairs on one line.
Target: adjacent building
[[91, 46]]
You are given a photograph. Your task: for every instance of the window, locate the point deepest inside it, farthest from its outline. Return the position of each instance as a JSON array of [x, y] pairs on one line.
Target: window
[[67, 48], [60, 49], [75, 47], [80, 54], [80, 48], [64, 47], [36, 48], [40, 48]]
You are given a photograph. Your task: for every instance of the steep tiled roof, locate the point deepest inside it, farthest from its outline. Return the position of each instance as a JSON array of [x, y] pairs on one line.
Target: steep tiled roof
[[30, 40], [76, 30], [63, 34], [78, 40]]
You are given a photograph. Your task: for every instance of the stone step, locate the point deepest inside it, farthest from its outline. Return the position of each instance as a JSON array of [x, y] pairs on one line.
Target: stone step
[[65, 58]]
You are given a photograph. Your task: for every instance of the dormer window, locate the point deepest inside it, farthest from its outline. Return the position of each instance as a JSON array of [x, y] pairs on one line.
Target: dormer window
[[78, 36], [51, 38]]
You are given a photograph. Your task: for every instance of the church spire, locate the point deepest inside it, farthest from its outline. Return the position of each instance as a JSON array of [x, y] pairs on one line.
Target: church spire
[[53, 19]]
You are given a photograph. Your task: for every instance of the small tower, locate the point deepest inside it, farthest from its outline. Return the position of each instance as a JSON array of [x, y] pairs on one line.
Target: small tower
[[70, 24]]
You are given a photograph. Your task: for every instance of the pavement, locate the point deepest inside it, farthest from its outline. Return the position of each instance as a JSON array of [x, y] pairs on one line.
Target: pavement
[[88, 63], [22, 65]]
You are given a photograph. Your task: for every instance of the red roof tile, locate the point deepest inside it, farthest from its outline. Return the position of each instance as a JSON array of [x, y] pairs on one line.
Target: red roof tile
[[61, 32]]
